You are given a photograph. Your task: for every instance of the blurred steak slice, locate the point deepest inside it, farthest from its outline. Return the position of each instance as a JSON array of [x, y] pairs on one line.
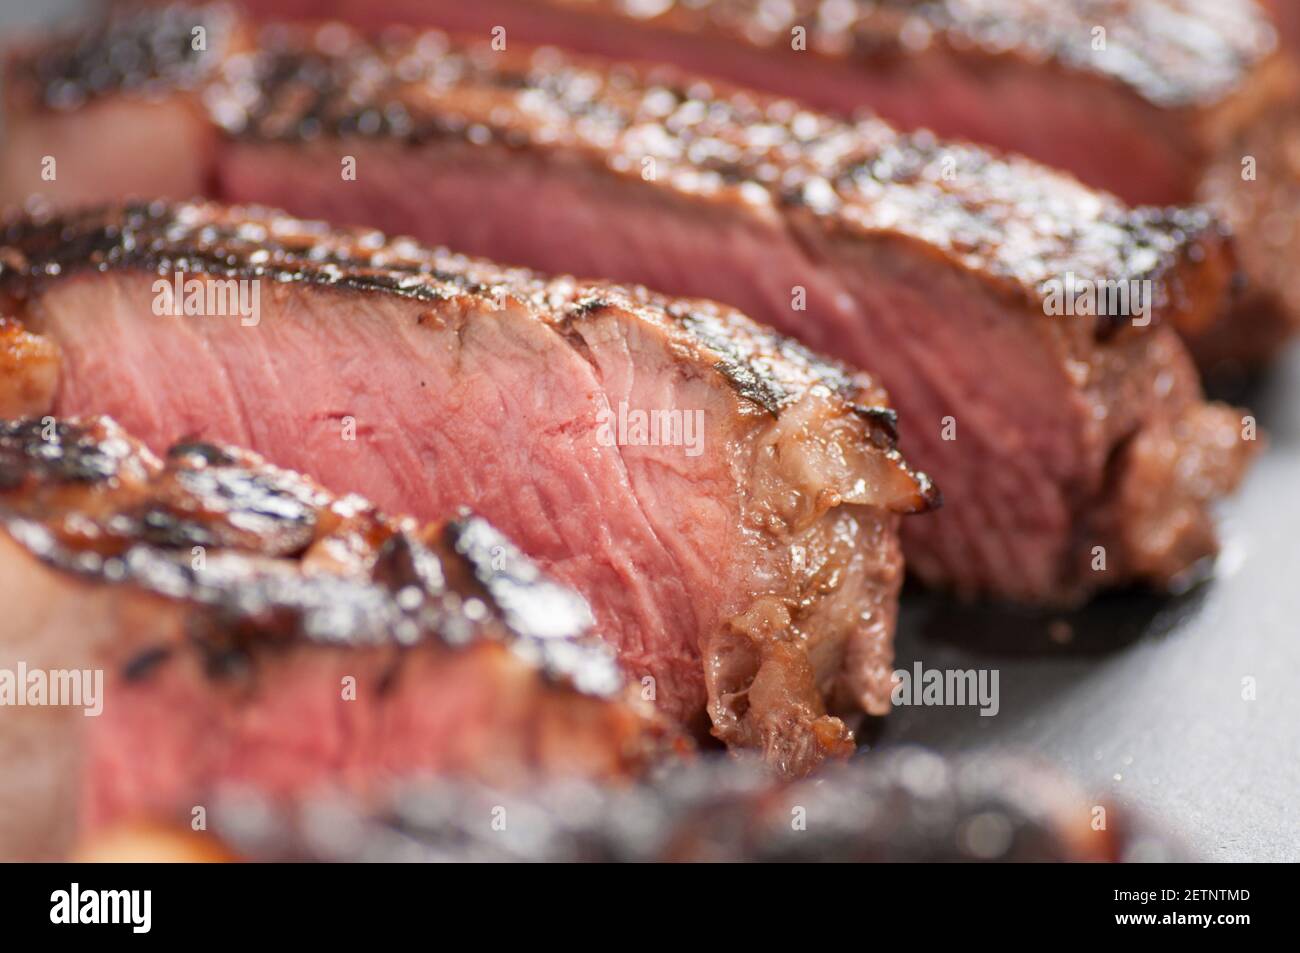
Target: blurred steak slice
[[1161, 109], [741, 553], [253, 628], [902, 805], [930, 264], [1286, 17]]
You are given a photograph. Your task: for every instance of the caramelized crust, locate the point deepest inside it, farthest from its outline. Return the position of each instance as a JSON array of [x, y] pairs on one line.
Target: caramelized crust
[[29, 370]]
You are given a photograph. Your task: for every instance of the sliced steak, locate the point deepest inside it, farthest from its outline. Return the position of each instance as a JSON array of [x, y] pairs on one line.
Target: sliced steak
[[1190, 88], [902, 805], [935, 265], [249, 627], [725, 501]]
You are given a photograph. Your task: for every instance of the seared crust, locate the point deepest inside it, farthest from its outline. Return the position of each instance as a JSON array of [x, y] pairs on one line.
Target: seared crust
[[29, 370], [151, 53], [1147, 49], [1010, 221], [770, 372], [267, 557]]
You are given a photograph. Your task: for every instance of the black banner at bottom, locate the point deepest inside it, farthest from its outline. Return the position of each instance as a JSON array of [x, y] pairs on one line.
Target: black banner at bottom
[[331, 903]]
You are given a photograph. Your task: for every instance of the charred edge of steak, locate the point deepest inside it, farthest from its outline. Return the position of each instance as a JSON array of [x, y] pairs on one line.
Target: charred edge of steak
[[904, 805], [761, 366], [58, 452], [146, 53], [260, 243], [1004, 218], [84, 498], [1149, 46]]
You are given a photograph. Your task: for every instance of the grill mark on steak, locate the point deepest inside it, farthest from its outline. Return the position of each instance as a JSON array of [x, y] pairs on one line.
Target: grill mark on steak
[[210, 453], [142, 665], [510, 579]]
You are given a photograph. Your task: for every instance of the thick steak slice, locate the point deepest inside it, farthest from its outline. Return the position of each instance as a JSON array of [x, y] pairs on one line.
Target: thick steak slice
[[725, 501], [904, 805], [249, 627], [1158, 101], [937, 266]]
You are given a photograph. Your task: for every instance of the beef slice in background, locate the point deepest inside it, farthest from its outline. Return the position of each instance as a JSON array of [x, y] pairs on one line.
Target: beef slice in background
[[1162, 102]]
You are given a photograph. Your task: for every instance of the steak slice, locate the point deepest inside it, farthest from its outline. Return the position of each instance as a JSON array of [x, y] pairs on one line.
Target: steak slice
[[249, 627], [1190, 87], [932, 264], [906, 805], [726, 502]]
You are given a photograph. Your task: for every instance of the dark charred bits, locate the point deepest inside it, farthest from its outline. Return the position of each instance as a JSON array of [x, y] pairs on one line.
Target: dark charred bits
[[145, 663], [207, 452], [246, 591], [60, 452], [137, 53]]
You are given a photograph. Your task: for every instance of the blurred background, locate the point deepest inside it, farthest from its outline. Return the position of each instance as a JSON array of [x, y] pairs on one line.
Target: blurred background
[[18, 14]]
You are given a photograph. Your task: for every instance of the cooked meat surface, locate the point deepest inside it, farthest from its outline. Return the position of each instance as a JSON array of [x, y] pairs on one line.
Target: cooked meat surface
[[1193, 89], [252, 628], [737, 541], [938, 266], [902, 805]]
